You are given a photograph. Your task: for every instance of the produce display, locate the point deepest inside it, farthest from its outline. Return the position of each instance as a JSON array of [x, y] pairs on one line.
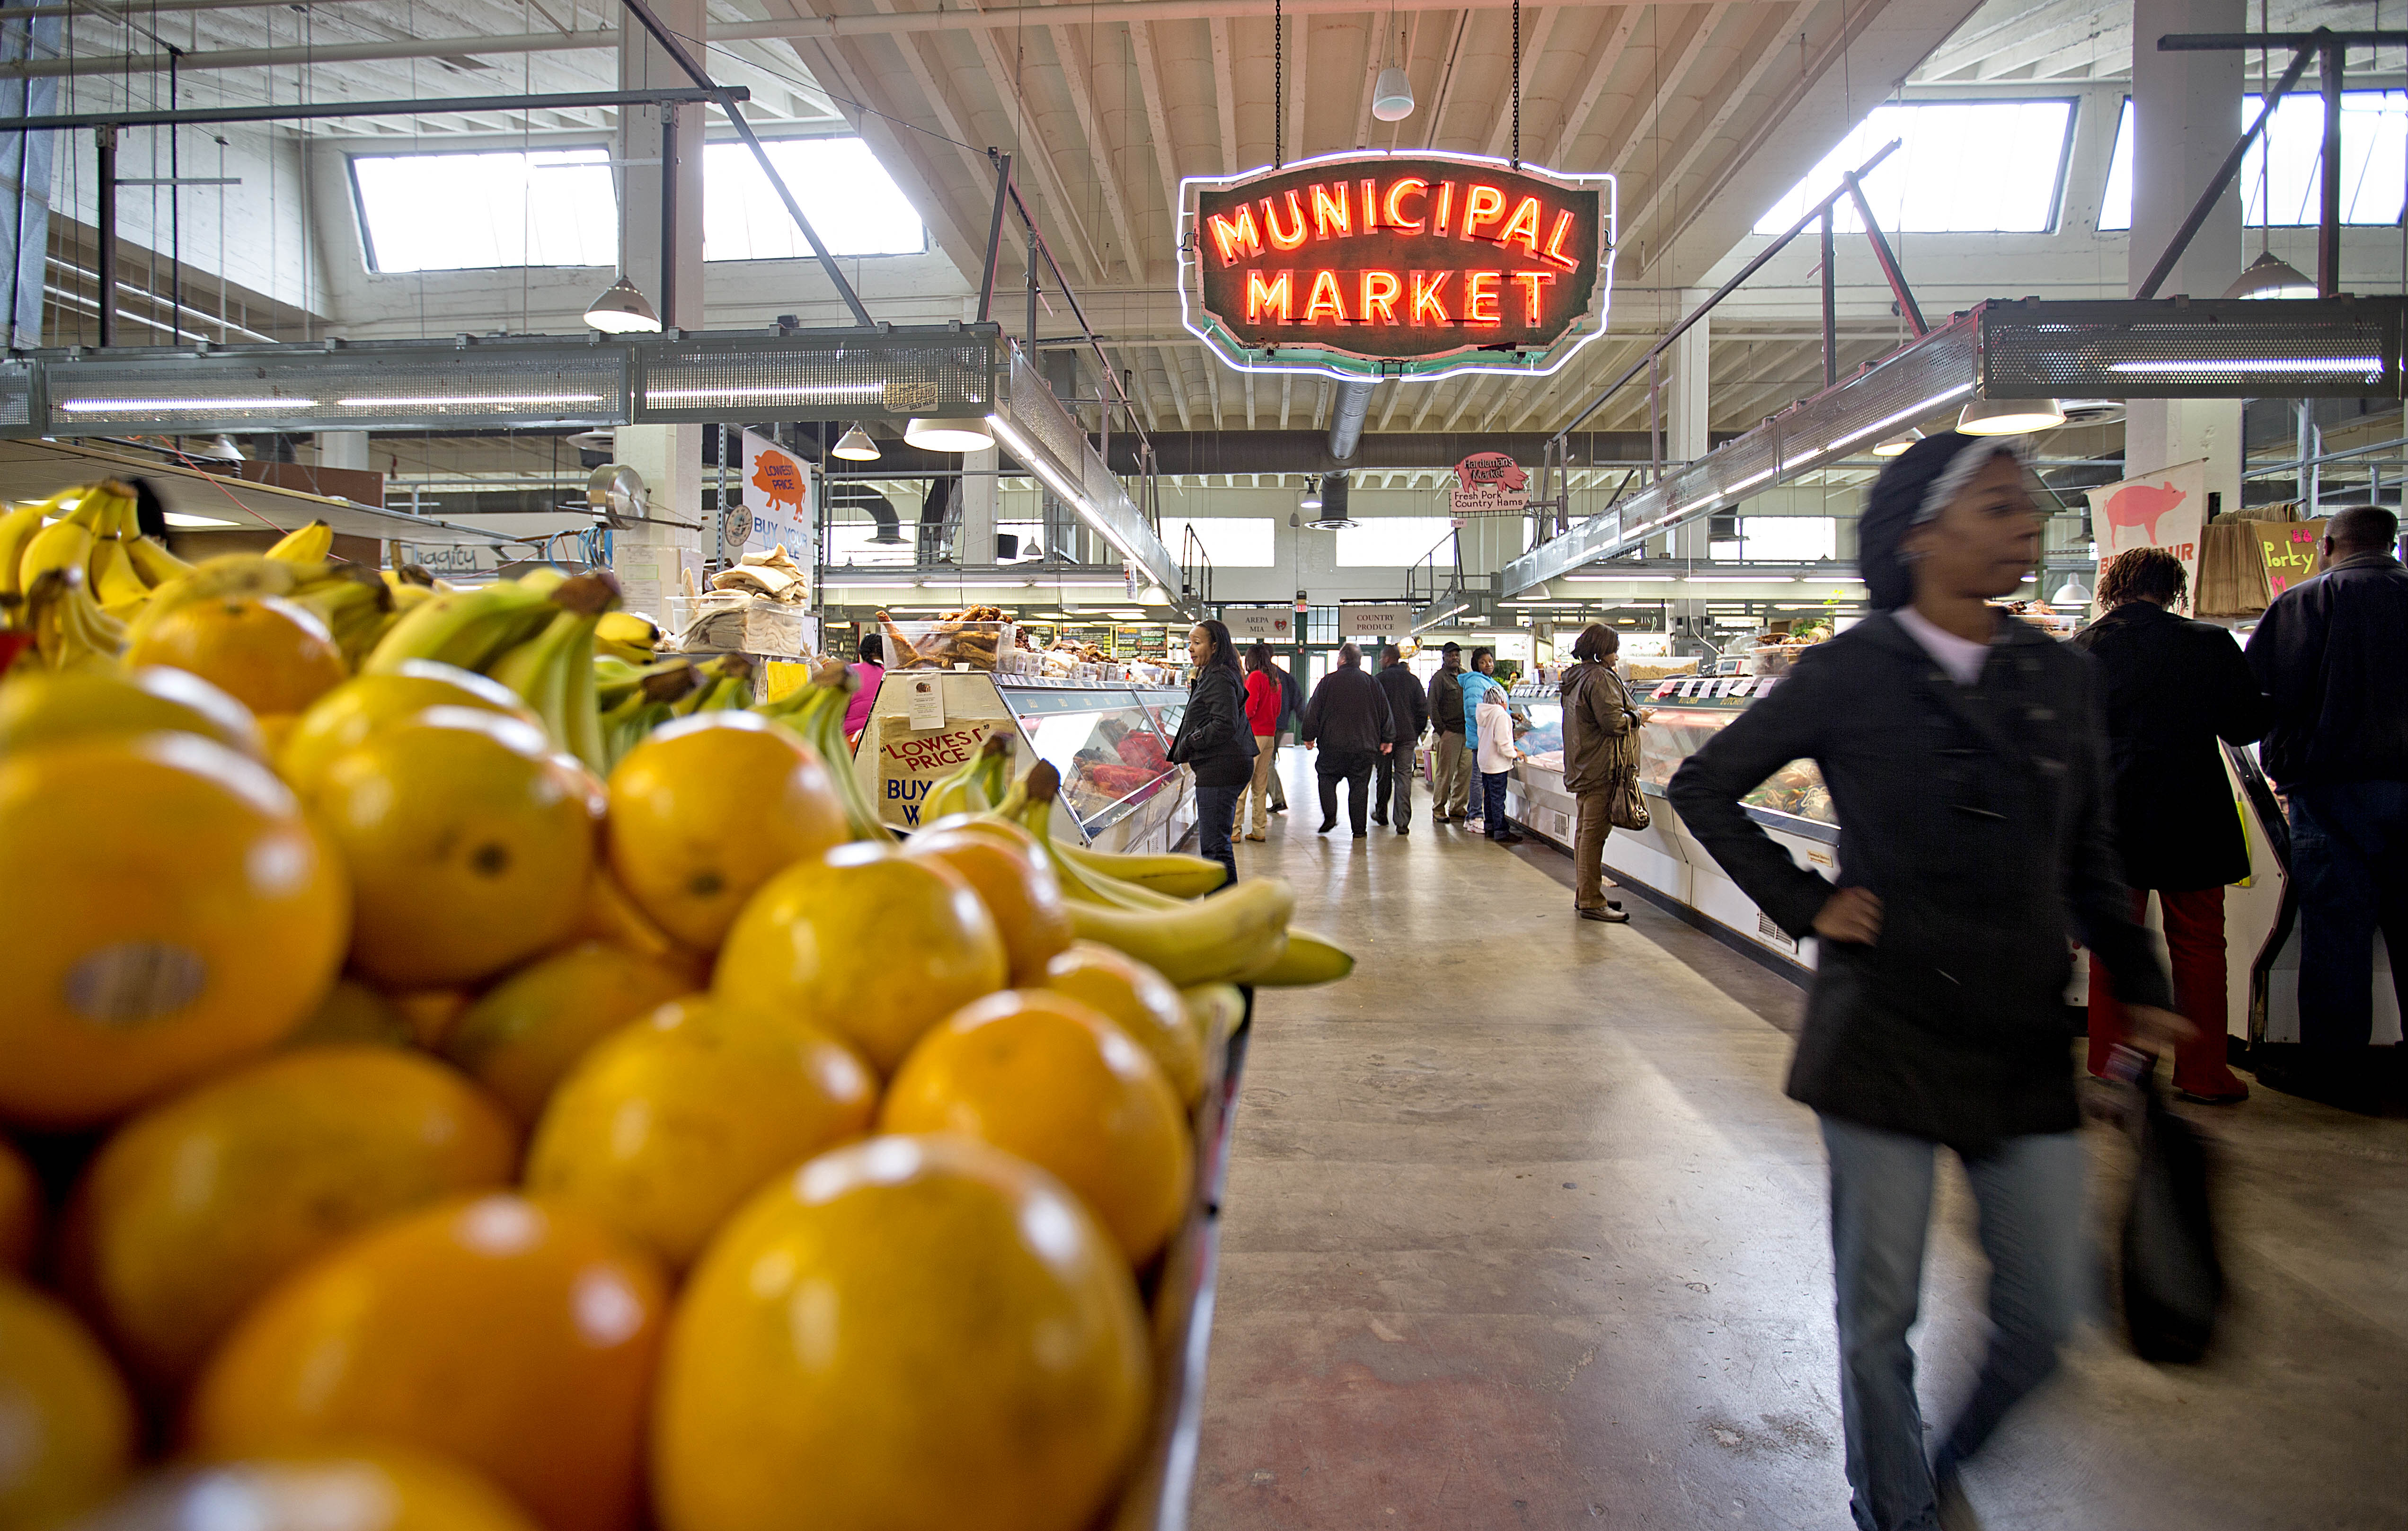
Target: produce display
[[496, 1080]]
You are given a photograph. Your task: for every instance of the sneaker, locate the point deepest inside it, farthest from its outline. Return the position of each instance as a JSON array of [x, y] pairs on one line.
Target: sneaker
[[1477, 826]]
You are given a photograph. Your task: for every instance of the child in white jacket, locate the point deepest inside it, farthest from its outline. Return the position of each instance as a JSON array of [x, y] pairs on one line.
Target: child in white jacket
[[1497, 757]]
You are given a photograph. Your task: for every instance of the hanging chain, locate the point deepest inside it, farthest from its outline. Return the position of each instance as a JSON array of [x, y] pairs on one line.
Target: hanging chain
[[1517, 84], [1279, 83]]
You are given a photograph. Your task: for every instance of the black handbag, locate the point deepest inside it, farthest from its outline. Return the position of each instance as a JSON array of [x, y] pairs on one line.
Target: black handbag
[[2174, 1278]]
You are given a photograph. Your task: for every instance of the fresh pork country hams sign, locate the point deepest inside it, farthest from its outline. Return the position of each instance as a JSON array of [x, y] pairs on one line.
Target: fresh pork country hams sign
[[1373, 265]]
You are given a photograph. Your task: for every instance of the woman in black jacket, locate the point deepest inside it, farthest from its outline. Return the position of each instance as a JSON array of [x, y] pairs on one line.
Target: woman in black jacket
[[2173, 687], [1214, 740], [1965, 756]]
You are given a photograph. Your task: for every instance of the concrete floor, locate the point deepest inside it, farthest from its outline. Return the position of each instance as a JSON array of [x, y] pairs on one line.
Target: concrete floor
[[1521, 1232]]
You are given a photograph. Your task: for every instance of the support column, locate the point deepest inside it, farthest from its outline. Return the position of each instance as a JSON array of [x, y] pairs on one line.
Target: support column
[[1686, 392], [660, 249], [978, 503], [2187, 113]]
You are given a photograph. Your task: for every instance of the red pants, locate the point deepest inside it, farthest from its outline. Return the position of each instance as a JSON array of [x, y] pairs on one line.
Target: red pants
[[2194, 923]]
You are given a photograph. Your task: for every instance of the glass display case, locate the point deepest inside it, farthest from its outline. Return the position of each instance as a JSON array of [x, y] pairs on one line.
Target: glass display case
[[1682, 726], [1112, 750]]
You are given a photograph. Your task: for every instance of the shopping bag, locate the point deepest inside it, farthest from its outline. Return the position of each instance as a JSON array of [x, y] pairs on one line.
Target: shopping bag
[[2173, 1280]]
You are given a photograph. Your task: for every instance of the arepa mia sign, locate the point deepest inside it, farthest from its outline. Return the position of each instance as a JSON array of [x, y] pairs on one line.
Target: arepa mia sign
[[1373, 265]]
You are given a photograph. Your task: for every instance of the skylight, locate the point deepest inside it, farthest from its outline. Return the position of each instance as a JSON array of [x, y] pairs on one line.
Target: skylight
[[2373, 156], [459, 212], [1391, 541], [1231, 541], [853, 203], [1961, 168]]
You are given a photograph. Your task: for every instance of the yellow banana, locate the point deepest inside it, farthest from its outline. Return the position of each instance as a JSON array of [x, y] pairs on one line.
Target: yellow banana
[[113, 579], [627, 630], [1308, 958], [17, 529], [1209, 941], [61, 544], [1216, 1011], [1180, 876], [155, 563], [353, 602], [308, 545]]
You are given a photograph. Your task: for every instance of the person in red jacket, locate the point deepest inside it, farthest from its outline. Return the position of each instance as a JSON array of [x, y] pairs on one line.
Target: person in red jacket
[[1265, 701]]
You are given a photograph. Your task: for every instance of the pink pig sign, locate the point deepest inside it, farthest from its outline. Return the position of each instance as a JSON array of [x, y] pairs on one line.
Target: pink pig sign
[[2166, 509]]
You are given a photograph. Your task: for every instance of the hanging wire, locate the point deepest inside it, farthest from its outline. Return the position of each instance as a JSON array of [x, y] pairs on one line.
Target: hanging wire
[[1518, 86], [1279, 83]]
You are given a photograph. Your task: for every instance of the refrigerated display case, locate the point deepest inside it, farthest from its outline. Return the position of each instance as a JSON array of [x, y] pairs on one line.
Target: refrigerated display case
[[1110, 742]]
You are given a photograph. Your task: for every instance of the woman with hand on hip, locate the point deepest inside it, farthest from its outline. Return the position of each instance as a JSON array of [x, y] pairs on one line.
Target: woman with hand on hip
[[1968, 764]]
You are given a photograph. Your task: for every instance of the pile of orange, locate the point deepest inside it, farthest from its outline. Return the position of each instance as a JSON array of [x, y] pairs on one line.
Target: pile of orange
[[402, 1128]]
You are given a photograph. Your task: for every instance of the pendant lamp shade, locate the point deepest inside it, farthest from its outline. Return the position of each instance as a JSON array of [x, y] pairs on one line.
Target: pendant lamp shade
[[1392, 95], [1895, 446], [965, 434], [856, 445], [2271, 276], [2008, 417], [2072, 592], [621, 310]]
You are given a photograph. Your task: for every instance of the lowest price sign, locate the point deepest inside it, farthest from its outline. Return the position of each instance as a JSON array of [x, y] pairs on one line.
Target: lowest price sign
[[910, 760]]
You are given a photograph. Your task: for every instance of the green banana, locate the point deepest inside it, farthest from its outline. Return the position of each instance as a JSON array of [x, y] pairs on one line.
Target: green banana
[[468, 628], [553, 674]]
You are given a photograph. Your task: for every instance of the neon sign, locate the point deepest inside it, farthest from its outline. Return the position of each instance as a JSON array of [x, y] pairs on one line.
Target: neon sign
[[1373, 265]]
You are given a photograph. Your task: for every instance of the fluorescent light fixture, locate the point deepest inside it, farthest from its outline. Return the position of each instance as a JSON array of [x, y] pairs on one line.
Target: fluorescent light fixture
[[987, 585], [855, 445], [1392, 95], [964, 433], [207, 406], [2010, 416], [2274, 365], [811, 394], [177, 518], [1425, 623], [1609, 579], [623, 310], [1746, 579], [439, 401], [2270, 276], [1895, 446], [836, 580]]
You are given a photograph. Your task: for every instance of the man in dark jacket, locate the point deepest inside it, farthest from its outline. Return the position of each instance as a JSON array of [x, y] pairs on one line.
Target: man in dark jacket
[[1409, 706], [1349, 722], [1965, 757], [2173, 687], [1451, 771], [2329, 654]]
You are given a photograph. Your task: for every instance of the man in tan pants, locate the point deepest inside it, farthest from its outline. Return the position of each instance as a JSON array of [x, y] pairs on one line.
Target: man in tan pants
[[1450, 762]]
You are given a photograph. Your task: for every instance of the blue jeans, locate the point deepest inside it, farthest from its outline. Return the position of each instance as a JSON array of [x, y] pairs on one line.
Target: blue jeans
[[1491, 789], [2029, 1192], [1216, 813], [2349, 851]]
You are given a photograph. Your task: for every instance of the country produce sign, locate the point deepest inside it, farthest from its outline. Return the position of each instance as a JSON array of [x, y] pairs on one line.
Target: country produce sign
[[1414, 266]]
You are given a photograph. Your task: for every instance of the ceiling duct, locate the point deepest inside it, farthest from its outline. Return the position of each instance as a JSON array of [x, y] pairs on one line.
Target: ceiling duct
[[1346, 420], [1332, 516]]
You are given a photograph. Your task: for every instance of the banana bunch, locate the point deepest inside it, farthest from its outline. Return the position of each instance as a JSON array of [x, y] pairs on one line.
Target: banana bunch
[[470, 628], [1239, 936], [635, 703], [354, 604], [308, 544], [978, 786], [629, 636], [726, 684], [816, 710], [70, 629], [547, 655], [91, 528]]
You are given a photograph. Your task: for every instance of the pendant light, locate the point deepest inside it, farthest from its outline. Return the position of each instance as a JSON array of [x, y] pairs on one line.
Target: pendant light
[[1392, 93], [964, 434], [1895, 446], [2008, 417], [2271, 276], [2072, 592], [623, 310], [856, 445]]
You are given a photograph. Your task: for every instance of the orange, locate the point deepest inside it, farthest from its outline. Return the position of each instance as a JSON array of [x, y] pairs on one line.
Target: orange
[[167, 911], [21, 1210], [609, 914], [263, 651], [707, 809], [66, 1426], [528, 1031], [667, 1124], [1046, 1077], [376, 1487], [197, 1207], [467, 842], [1020, 893], [1139, 1001], [353, 1012], [864, 941], [42, 707], [516, 1338], [907, 1333], [346, 715]]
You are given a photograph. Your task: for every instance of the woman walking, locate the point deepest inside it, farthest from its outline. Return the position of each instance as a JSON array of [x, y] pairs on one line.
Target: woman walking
[[1266, 699], [1600, 759], [2173, 687], [1966, 760], [1214, 740]]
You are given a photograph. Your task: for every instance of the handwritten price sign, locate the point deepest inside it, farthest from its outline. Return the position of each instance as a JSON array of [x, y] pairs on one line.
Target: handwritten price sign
[[2290, 549]]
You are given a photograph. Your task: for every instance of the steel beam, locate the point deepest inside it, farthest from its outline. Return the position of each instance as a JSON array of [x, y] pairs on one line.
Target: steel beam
[[427, 107]]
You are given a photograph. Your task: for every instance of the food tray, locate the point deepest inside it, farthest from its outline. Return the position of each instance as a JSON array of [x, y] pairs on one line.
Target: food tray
[[942, 645], [1163, 1479]]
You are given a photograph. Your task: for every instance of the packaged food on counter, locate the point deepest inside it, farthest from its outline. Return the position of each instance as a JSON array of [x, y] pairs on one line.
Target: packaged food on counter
[[975, 637]]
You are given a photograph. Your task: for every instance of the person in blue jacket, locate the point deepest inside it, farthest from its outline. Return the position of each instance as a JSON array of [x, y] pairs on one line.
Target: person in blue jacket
[[1476, 682]]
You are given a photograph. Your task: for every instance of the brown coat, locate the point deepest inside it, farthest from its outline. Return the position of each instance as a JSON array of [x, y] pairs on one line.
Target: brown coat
[[1597, 715]]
